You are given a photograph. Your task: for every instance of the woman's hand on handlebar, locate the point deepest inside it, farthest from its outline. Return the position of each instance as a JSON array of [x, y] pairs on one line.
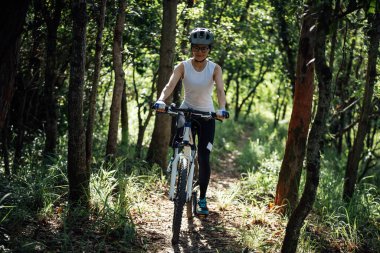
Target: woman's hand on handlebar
[[222, 114], [159, 106]]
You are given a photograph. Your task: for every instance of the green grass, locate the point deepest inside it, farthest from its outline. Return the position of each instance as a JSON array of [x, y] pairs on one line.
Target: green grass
[[38, 197], [332, 225]]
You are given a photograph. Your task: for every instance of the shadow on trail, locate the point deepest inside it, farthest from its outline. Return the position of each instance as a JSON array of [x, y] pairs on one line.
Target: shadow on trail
[[207, 235]]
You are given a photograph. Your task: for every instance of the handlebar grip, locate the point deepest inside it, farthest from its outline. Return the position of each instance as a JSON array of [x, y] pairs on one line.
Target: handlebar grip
[[153, 107]]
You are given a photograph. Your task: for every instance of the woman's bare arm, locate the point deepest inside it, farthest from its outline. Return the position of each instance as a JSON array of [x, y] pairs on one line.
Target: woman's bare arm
[[174, 78]]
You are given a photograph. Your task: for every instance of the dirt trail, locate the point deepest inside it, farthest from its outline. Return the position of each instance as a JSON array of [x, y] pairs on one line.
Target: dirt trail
[[217, 233]]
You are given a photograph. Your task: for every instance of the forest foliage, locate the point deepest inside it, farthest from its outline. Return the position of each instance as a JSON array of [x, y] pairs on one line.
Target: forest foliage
[[256, 45]]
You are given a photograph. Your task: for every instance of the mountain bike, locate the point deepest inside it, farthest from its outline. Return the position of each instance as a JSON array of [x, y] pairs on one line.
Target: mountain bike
[[181, 168]]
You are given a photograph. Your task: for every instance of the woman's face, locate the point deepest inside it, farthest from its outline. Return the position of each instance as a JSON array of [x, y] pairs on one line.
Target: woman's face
[[200, 52]]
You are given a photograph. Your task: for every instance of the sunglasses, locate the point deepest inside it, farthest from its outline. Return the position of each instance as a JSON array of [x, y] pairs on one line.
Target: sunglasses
[[200, 49]]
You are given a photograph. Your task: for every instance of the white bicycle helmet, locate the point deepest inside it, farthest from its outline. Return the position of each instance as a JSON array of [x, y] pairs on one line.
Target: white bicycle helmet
[[201, 36]]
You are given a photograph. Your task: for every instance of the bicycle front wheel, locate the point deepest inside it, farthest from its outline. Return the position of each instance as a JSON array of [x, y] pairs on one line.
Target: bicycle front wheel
[[180, 199]]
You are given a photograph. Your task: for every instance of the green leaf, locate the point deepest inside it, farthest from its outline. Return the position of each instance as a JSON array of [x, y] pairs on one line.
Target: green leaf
[[372, 7]]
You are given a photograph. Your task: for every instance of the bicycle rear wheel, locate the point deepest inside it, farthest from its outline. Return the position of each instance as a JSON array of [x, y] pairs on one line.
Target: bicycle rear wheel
[[180, 199]]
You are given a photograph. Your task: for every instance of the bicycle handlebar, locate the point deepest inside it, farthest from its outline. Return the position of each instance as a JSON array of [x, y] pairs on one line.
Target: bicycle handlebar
[[175, 110]]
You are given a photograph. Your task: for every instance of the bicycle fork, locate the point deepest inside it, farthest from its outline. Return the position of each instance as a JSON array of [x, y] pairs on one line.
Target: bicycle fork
[[189, 162], [173, 168], [190, 176], [188, 156]]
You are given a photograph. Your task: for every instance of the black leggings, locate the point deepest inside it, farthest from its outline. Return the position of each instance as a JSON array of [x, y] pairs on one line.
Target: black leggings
[[205, 130]]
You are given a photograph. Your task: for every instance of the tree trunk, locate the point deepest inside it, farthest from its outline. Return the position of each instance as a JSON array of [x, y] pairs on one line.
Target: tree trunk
[[4, 146], [317, 133], [353, 160], [102, 108], [100, 18], [342, 82], [19, 105], [12, 21], [237, 97], [158, 148], [119, 81], [78, 175], [334, 26], [277, 108], [178, 89], [51, 72], [31, 78], [290, 173], [124, 117]]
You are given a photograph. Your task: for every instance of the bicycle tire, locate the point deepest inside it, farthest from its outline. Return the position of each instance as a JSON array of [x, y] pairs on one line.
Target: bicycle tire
[[194, 202], [189, 208], [179, 200]]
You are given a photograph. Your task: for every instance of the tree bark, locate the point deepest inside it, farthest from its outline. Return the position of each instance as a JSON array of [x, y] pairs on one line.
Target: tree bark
[[4, 146], [237, 98], [52, 19], [124, 117], [354, 155], [290, 173], [158, 148], [12, 21], [78, 175], [316, 136], [19, 107], [100, 19], [178, 89], [342, 82], [335, 26], [31, 78], [119, 81]]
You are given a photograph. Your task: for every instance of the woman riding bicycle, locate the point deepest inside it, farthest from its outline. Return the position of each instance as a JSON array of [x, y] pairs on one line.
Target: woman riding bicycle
[[199, 75]]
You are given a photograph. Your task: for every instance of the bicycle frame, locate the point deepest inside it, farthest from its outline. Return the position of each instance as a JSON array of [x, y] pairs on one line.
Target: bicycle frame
[[188, 154]]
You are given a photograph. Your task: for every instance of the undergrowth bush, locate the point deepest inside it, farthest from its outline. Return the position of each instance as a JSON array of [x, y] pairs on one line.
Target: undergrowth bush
[[349, 227], [40, 194], [355, 223]]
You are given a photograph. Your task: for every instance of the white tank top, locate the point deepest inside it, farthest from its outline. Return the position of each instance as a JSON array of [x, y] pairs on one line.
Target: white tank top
[[198, 87]]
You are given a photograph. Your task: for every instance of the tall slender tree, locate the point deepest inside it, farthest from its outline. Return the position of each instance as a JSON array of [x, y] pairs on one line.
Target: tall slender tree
[[12, 21], [124, 117], [291, 167], [354, 155], [158, 148], [119, 80], [100, 19], [317, 131], [52, 17], [25, 90], [78, 175], [184, 46]]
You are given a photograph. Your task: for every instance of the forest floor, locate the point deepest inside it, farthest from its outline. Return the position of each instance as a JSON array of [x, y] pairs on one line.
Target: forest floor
[[216, 233], [221, 231]]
